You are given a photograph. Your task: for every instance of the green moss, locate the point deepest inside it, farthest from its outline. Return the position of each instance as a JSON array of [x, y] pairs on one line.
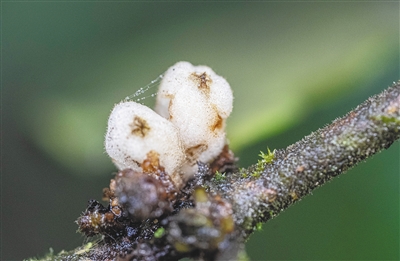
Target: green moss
[[271, 213], [256, 174], [267, 158], [242, 256], [48, 256], [243, 173], [219, 177], [248, 223], [85, 248], [73, 255], [386, 119], [159, 232], [259, 226]]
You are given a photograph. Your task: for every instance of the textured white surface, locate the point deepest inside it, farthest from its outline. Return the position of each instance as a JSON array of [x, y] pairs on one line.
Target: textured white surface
[[192, 105], [134, 130], [197, 101]]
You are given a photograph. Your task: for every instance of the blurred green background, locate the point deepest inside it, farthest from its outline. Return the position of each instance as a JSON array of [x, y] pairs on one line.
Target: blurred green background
[[293, 67]]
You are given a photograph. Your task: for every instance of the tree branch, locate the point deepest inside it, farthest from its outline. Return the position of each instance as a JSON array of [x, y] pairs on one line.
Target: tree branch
[[216, 213], [297, 170]]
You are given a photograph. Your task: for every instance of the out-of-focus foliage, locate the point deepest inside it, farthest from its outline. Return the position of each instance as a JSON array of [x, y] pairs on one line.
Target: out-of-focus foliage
[[293, 67]]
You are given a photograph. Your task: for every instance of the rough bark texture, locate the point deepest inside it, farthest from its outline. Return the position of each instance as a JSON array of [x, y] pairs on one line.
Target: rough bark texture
[[295, 171], [215, 213]]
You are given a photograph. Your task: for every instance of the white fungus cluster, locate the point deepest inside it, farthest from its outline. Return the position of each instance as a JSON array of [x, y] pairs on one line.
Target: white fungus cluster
[[187, 125]]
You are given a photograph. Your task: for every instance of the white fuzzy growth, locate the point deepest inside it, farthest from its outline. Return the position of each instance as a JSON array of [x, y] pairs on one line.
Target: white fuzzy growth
[[134, 130], [194, 103], [177, 78], [197, 101]]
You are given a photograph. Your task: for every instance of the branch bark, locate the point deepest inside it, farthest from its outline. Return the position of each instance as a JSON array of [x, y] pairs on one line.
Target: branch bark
[[256, 194], [300, 168]]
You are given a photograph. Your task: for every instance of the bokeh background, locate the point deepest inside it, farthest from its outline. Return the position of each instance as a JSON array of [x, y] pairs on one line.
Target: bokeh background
[[293, 67]]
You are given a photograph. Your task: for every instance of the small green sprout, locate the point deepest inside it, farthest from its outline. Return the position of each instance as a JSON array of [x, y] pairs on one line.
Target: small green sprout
[[385, 119], [259, 226], [219, 176], [242, 256], [256, 174], [243, 173], [85, 249], [267, 158], [159, 232]]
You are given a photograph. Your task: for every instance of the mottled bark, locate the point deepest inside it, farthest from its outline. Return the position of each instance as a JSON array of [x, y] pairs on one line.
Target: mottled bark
[[295, 171]]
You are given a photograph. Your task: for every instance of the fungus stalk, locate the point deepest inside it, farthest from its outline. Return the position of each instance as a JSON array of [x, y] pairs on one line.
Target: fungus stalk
[[163, 207]]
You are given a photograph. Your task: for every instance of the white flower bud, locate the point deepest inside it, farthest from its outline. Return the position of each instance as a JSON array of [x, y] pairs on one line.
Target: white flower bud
[[134, 130], [197, 101]]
